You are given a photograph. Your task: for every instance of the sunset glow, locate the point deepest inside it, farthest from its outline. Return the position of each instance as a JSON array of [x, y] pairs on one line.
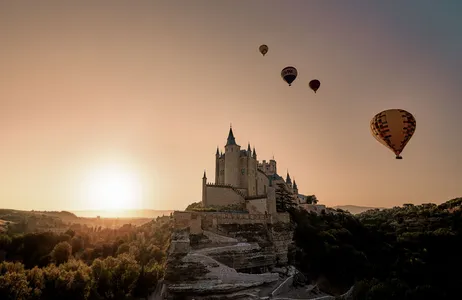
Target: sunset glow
[[111, 188]]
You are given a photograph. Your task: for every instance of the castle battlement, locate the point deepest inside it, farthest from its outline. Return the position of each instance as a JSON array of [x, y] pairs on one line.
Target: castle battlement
[[219, 185]]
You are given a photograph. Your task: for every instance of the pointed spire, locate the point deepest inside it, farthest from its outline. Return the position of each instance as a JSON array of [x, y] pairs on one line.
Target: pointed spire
[[205, 176], [218, 151], [295, 184], [248, 147], [231, 140], [254, 153], [288, 180]]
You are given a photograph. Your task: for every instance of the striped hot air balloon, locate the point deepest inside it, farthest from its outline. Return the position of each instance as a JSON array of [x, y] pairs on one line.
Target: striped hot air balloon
[[393, 128]]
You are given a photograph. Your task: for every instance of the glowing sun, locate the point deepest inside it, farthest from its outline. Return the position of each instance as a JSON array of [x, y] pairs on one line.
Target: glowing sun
[[112, 188]]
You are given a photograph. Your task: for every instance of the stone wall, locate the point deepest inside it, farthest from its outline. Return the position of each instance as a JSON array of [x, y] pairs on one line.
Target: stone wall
[[262, 183], [195, 224], [280, 217], [210, 220], [222, 196], [257, 206], [281, 234], [183, 220]]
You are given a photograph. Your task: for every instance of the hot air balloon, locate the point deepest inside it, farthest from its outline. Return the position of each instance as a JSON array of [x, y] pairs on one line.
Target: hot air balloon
[[263, 49], [393, 128], [289, 74], [314, 84]]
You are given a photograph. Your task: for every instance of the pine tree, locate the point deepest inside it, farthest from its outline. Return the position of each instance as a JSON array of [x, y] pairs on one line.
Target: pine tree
[[284, 199]]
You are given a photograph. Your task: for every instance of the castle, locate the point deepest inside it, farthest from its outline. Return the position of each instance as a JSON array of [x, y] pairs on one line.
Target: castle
[[211, 253], [241, 179]]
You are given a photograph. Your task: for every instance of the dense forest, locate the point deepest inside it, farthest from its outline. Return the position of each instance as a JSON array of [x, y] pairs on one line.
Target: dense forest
[[84, 262], [408, 252]]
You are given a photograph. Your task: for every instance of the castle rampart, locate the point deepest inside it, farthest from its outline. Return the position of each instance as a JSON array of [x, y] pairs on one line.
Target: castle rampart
[[198, 221]]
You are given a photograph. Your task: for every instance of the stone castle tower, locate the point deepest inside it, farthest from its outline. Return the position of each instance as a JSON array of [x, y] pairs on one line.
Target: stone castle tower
[[240, 178], [237, 167]]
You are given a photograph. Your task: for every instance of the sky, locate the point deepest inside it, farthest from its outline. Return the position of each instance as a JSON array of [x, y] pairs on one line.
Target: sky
[[145, 91]]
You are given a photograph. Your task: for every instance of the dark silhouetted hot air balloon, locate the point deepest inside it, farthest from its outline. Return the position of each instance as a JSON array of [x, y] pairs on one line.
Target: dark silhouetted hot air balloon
[[263, 49], [314, 84], [289, 74], [393, 128]]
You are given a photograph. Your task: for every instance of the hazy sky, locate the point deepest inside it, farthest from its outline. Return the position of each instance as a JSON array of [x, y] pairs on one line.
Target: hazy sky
[[146, 90]]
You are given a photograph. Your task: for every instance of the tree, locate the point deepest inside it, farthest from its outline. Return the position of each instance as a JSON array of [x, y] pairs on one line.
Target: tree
[[284, 199], [77, 244], [193, 205], [311, 199], [14, 286], [61, 252]]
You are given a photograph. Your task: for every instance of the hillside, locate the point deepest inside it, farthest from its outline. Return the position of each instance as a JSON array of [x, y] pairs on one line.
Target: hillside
[[60, 221], [14, 215]]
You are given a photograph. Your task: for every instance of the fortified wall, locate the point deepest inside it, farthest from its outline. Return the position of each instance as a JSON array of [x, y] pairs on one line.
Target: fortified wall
[[199, 221]]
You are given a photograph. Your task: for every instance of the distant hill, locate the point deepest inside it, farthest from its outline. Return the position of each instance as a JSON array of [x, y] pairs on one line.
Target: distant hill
[[14, 213], [356, 209], [129, 213]]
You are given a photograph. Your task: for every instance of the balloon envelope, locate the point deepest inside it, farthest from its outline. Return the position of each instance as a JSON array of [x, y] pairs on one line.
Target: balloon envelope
[[393, 128], [314, 84], [263, 49], [289, 74]]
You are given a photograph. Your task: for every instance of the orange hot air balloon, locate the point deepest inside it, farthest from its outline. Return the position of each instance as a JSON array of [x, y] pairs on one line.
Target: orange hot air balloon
[[314, 85], [393, 128], [263, 49]]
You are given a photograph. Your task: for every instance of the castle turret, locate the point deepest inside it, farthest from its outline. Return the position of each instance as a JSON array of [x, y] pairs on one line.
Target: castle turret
[[254, 155], [204, 190], [217, 166], [250, 173], [272, 166], [232, 153], [295, 188], [289, 182]]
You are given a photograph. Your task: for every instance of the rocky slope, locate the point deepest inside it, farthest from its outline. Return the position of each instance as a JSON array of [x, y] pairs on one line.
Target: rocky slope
[[231, 261], [235, 264]]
